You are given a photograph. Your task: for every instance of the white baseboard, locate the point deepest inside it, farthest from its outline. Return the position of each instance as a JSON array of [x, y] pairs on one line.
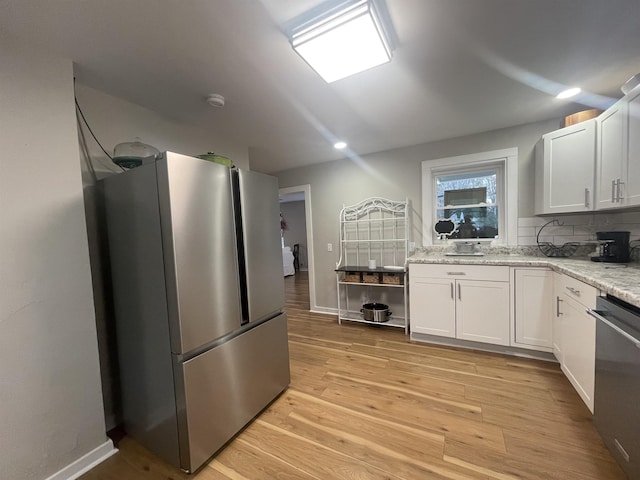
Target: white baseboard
[[324, 310], [484, 347], [86, 462]]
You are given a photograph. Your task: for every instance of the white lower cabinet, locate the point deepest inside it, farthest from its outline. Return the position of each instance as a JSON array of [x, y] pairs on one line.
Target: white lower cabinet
[[482, 311], [556, 322], [432, 305], [460, 301], [544, 311], [579, 349], [577, 336], [533, 308]]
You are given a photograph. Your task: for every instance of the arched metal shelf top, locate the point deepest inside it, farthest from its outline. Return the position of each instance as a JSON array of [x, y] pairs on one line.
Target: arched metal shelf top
[[359, 210], [361, 219]]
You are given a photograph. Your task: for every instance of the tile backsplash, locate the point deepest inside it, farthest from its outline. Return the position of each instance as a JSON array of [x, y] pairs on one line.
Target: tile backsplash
[[579, 228]]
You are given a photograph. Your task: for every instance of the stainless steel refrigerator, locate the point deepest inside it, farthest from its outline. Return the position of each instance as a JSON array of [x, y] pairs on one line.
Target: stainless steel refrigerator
[[196, 268]]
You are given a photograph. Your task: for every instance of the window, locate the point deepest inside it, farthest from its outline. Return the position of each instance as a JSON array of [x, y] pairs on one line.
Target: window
[[478, 192], [470, 199]]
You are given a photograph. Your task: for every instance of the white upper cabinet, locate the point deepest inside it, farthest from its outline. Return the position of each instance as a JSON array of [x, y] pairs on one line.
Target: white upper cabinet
[[610, 158], [565, 166], [618, 158], [593, 165], [633, 148]]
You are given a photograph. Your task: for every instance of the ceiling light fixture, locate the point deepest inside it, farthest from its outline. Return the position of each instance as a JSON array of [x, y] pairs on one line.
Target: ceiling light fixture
[[571, 92], [340, 145], [347, 39]]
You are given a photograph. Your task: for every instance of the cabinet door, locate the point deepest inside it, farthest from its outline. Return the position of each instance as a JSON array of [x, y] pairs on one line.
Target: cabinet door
[[556, 322], [632, 185], [579, 348], [482, 311], [568, 178], [432, 306], [610, 156], [533, 307]]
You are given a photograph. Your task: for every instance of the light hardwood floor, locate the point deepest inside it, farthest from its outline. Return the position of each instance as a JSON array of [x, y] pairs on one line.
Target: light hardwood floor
[[365, 403]]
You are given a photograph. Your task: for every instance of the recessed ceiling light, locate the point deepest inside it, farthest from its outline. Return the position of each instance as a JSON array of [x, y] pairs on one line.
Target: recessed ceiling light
[[343, 41], [340, 145], [571, 92]]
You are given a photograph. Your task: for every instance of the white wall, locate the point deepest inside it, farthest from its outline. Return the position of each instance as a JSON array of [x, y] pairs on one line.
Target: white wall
[[50, 397]]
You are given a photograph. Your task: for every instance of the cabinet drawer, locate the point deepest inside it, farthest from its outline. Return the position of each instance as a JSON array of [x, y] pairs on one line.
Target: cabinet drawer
[[579, 291], [466, 272]]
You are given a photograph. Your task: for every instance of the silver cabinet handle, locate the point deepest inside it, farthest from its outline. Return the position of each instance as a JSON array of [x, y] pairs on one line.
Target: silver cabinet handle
[[459, 292], [619, 194], [456, 273], [597, 316], [586, 197], [613, 191], [452, 298], [576, 292], [558, 312]]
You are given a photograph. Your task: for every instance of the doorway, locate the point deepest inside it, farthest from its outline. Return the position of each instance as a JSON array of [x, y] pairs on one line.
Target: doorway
[[302, 193]]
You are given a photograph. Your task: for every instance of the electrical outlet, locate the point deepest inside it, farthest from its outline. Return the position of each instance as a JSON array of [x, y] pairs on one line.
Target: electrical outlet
[[329, 247], [412, 246]]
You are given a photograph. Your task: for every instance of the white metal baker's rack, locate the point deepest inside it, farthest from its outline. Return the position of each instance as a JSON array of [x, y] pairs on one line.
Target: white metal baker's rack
[[378, 229]]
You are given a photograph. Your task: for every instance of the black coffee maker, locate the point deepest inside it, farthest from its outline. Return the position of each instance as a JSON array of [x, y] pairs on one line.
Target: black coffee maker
[[614, 247]]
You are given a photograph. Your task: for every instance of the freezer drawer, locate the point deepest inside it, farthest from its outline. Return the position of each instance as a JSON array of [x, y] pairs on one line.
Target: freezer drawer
[[225, 387]]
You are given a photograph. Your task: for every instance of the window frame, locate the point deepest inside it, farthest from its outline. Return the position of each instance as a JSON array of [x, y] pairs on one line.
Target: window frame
[[506, 160]]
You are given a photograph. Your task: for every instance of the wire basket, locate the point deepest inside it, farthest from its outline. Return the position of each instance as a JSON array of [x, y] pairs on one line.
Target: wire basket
[[551, 250]]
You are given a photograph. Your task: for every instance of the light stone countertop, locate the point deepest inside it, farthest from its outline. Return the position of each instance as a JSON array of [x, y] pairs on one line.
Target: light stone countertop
[[623, 283]]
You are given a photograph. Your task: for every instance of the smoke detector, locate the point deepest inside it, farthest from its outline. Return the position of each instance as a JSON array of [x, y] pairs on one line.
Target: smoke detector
[[215, 100]]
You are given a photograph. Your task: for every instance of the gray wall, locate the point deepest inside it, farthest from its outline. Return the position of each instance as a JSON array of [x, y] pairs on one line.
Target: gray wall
[[51, 410], [296, 232], [396, 174]]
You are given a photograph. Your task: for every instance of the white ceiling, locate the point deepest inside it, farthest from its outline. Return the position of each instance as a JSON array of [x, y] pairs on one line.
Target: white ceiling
[[459, 67]]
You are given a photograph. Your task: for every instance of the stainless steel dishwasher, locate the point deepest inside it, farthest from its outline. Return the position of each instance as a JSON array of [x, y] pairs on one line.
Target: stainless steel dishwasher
[[617, 387]]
